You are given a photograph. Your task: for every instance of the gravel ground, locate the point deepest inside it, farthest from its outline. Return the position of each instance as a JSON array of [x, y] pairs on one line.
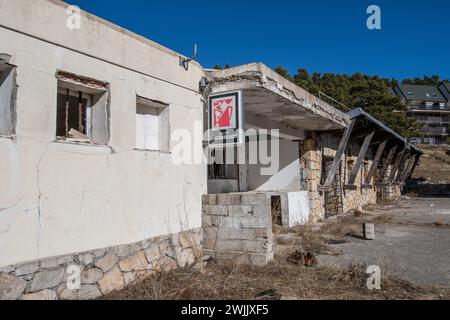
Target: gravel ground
[[414, 246]]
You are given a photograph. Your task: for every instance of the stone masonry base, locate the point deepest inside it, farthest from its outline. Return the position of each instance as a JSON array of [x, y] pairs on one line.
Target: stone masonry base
[[101, 271], [238, 226]]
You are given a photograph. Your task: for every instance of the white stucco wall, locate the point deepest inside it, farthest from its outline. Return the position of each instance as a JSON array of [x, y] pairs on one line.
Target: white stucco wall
[[286, 178], [58, 198]]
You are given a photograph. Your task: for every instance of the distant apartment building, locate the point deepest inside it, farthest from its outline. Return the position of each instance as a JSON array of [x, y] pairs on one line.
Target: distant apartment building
[[431, 106]]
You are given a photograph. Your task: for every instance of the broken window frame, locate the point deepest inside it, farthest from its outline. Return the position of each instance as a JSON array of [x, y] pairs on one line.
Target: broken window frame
[[85, 127], [8, 93], [94, 126]]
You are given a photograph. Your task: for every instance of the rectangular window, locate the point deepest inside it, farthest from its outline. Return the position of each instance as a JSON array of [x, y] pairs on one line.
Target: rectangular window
[[82, 109], [152, 125], [7, 99]]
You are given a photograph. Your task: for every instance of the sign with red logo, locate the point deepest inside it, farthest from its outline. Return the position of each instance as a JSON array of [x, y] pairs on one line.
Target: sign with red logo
[[224, 112]]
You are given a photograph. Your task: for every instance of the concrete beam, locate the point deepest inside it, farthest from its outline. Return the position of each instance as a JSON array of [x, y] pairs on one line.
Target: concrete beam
[[361, 155], [396, 165], [337, 159], [386, 164], [269, 94], [375, 162]]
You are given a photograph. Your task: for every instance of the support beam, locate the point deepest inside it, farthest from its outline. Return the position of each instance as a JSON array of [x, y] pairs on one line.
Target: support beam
[[375, 162], [403, 166], [396, 165], [359, 160], [337, 159], [386, 164], [416, 162], [408, 169]]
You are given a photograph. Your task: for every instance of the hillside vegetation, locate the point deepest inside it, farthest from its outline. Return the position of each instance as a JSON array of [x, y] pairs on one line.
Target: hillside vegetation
[[434, 165]]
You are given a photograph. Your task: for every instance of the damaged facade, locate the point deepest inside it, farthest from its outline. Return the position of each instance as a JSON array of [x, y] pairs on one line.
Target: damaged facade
[[330, 163], [86, 138]]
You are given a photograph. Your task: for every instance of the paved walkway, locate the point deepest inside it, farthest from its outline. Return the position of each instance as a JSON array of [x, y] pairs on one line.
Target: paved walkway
[[410, 247]]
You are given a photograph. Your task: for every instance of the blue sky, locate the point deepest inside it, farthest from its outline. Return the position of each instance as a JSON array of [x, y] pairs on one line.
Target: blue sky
[[321, 36]]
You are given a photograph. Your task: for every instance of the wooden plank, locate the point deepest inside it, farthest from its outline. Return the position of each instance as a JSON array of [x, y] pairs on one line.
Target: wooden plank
[[359, 160], [339, 153], [388, 160], [375, 162], [397, 162]]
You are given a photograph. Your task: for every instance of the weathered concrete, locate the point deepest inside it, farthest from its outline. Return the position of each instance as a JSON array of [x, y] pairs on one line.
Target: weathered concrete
[[90, 196], [238, 226], [269, 95]]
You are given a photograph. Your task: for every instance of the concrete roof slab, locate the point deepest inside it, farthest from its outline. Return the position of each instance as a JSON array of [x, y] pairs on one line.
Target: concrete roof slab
[[268, 94]]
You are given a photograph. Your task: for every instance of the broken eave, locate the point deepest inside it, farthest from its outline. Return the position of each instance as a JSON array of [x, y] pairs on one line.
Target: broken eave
[[268, 95], [383, 131]]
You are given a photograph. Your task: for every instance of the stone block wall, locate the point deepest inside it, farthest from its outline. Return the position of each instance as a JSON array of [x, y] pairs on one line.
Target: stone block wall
[[389, 192], [238, 226], [311, 157], [101, 271], [311, 167], [355, 199]]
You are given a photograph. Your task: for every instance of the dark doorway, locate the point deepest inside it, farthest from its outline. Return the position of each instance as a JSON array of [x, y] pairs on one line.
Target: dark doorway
[[276, 210]]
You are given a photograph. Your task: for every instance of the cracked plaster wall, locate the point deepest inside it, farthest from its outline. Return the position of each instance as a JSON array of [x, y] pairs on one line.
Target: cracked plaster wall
[[60, 198]]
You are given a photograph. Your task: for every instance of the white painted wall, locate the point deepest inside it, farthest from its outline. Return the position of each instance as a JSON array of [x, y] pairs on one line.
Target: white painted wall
[[287, 178], [298, 204], [58, 198]]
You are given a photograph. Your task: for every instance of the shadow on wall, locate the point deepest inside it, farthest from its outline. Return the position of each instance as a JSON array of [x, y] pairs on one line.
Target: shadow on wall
[[288, 173], [425, 190]]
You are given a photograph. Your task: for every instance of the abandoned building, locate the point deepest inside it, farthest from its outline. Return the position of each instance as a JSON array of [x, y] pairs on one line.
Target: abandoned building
[[86, 145]]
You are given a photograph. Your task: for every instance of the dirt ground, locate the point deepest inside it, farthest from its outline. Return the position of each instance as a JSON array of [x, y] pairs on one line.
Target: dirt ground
[[412, 244], [434, 164], [329, 249]]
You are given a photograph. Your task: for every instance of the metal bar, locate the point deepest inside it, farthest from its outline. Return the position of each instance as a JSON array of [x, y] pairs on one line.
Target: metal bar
[[80, 112], [333, 100], [375, 162], [66, 115], [361, 155], [339, 153]]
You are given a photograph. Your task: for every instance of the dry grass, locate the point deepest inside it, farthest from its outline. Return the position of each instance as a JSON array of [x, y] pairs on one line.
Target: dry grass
[[318, 238], [434, 164], [283, 279], [280, 279]]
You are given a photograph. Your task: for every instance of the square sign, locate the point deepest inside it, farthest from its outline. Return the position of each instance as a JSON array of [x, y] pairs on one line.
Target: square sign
[[224, 117], [224, 111]]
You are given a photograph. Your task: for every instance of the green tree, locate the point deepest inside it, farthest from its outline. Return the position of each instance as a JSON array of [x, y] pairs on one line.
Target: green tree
[[359, 90], [283, 72]]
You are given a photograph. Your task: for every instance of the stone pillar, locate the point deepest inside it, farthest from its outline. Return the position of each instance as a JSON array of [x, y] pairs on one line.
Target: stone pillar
[[311, 167]]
